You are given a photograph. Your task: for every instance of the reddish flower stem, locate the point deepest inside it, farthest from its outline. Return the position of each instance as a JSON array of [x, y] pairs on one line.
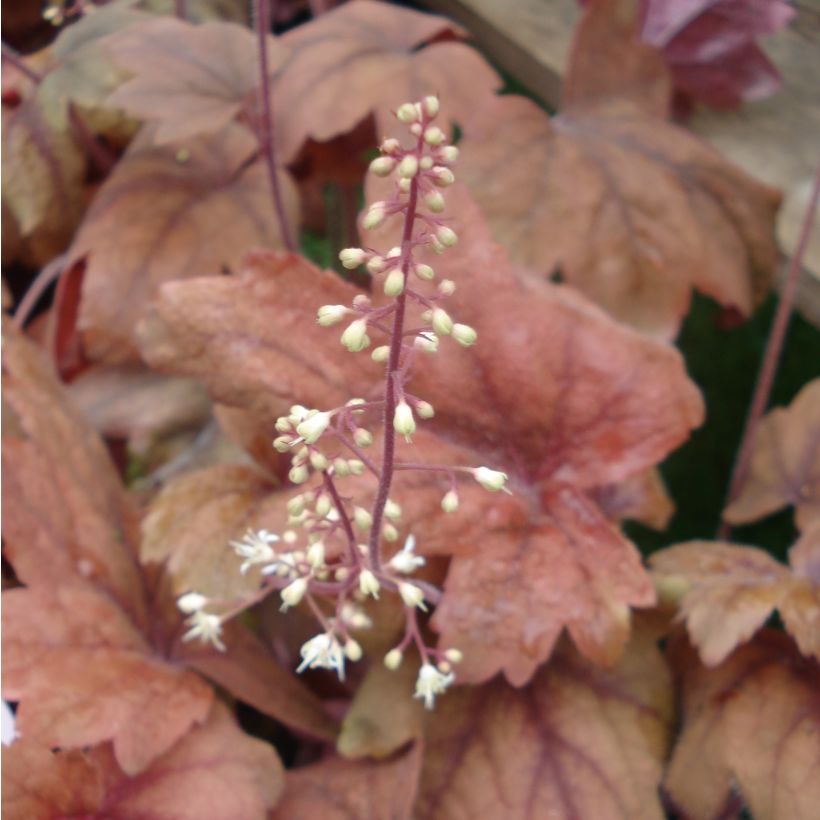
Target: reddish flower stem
[[771, 358], [330, 486], [266, 135], [17, 61], [390, 391]]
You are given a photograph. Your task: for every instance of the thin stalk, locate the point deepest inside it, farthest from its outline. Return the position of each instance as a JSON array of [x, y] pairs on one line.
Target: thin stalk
[[388, 458], [181, 9], [771, 358], [16, 59], [46, 277], [266, 135], [330, 486]]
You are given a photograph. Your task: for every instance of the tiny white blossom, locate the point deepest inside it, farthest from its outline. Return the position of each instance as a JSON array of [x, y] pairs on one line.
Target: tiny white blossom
[[403, 420], [293, 593], [369, 583], [328, 315], [430, 683], [412, 595], [255, 548], [492, 480], [207, 627], [191, 602], [406, 561], [325, 652], [353, 616], [313, 426]]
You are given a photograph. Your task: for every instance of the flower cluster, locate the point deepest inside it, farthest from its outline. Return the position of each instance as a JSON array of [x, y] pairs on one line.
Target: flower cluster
[[330, 558]]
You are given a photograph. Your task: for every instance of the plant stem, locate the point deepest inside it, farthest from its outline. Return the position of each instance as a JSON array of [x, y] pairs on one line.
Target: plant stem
[[181, 9], [16, 59], [771, 358], [266, 135], [330, 486], [388, 458]]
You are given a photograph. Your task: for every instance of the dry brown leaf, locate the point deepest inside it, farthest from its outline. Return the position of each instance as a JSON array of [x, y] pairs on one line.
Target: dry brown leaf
[[785, 466], [214, 771], [366, 57], [555, 393], [66, 514], [337, 789], [188, 79], [169, 213], [753, 723], [249, 672], [84, 674], [577, 742], [632, 210], [728, 592]]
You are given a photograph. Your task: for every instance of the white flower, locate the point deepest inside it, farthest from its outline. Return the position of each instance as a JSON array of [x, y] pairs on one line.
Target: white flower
[[322, 651], [442, 323], [412, 595], [464, 334], [492, 480], [354, 617], [313, 426], [403, 420], [408, 167], [355, 336], [293, 593], [407, 113], [255, 548], [191, 602], [328, 315], [206, 627], [430, 683], [450, 501], [369, 583], [407, 561], [382, 166], [394, 282], [352, 257]]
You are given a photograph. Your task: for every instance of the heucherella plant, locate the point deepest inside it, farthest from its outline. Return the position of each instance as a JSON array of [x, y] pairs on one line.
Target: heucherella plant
[[333, 551]]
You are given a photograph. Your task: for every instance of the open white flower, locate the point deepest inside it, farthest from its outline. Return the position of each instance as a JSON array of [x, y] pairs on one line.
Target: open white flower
[[430, 683], [207, 627], [255, 548], [325, 652], [406, 561]]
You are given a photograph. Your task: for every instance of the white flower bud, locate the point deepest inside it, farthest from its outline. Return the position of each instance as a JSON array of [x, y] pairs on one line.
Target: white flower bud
[[355, 336], [403, 420], [404, 184], [436, 245], [298, 412], [352, 257], [281, 444], [492, 480], [447, 236], [409, 167], [424, 272], [361, 301], [394, 282], [411, 595], [389, 532], [382, 166], [362, 519], [293, 593], [449, 153], [426, 163], [464, 335], [328, 315], [434, 135], [340, 467], [362, 437], [380, 353], [342, 574], [425, 410], [318, 461], [441, 321], [434, 201], [296, 505], [289, 537], [324, 503], [374, 217], [393, 659], [191, 602], [312, 427], [390, 146], [415, 129], [447, 287], [454, 655], [450, 501], [430, 105], [443, 176], [353, 651], [355, 403], [298, 475], [355, 466], [300, 456], [316, 555], [368, 583], [427, 343], [407, 113], [283, 425], [392, 510], [376, 265]]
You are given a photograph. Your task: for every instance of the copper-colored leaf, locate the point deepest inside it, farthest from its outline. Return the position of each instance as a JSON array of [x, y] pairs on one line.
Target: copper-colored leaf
[[84, 674], [214, 771], [633, 210], [365, 57], [188, 79], [193, 519], [641, 498], [555, 393], [785, 466], [66, 514], [728, 593], [337, 789], [576, 742], [249, 672], [168, 213], [752, 723]]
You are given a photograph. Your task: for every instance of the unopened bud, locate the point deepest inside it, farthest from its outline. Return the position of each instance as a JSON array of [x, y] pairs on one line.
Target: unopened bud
[[390, 146], [355, 466], [403, 420], [426, 162], [362, 519], [381, 353], [464, 334], [441, 321], [374, 217], [430, 105], [404, 184], [283, 424], [393, 659], [492, 480], [434, 135], [361, 301], [389, 532], [316, 554], [425, 410], [355, 336], [340, 467], [392, 510], [191, 602], [415, 129], [382, 166], [447, 287], [409, 167], [298, 475], [313, 426], [293, 593], [447, 236], [353, 650], [368, 583], [394, 282], [362, 437], [411, 595], [376, 265], [328, 315], [318, 461], [424, 272], [450, 501], [352, 257], [407, 113], [449, 153], [443, 176], [281, 444], [434, 201], [296, 505], [426, 342], [323, 505], [454, 655]]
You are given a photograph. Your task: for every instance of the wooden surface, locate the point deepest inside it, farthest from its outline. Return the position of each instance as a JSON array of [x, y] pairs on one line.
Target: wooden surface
[[776, 140]]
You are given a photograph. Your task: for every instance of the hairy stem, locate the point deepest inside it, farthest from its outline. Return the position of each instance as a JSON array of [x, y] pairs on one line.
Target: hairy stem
[[771, 358], [266, 135], [330, 486], [388, 457]]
